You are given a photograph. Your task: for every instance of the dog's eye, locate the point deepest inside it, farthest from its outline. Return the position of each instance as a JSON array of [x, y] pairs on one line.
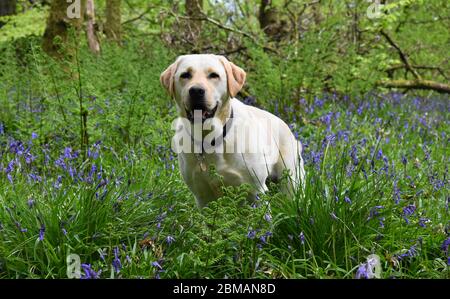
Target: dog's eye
[[186, 75], [214, 76]]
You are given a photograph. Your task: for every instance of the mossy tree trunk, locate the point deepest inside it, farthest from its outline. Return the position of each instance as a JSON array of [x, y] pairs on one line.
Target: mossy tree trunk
[[91, 31], [194, 11], [64, 18], [8, 7], [113, 26]]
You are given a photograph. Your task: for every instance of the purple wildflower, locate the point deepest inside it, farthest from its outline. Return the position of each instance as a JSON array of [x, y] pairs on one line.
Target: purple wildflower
[[374, 212], [445, 245], [379, 154], [30, 203], [404, 160], [348, 200], [89, 273], [42, 232], [409, 210], [68, 153], [396, 193], [268, 217], [423, 222], [157, 265], [116, 262], [34, 135], [170, 240], [302, 238], [251, 234], [381, 219], [411, 252], [361, 273]]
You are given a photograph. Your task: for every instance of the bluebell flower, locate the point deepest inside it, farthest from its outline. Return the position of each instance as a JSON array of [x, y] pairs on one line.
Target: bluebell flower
[[9, 177], [348, 200], [170, 239], [42, 232], [445, 245], [374, 212], [379, 154], [268, 217], [89, 273], [396, 193], [302, 238], [404, 160], [68, 153], [34, 135], [157, 265], [30, 203], [409, 210], [251, 234], [411, 252], [263, 239], [381, 219], [362, 273], [117, 264], [423, 221]]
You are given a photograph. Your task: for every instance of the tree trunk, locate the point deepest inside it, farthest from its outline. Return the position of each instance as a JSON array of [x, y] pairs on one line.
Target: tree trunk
[[92, 38], [317, 14], [193, 10], [113, 26], [263, 14], [271, 21], [7, 8], [64, 17]]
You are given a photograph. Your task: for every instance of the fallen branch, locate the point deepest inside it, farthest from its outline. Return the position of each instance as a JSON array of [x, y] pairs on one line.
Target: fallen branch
[[416, 84], [419, 67]]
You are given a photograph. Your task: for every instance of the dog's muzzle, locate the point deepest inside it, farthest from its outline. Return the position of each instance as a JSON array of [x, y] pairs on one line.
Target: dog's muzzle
[[198, 106]]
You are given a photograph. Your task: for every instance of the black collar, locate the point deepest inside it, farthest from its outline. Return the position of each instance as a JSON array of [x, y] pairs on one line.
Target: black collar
[[225, 129]]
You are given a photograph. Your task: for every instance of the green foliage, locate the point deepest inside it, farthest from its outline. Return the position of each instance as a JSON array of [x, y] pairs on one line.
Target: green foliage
[[31, 22]]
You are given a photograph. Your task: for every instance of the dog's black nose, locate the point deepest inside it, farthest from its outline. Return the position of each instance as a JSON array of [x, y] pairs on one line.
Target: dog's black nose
[[196, 92]]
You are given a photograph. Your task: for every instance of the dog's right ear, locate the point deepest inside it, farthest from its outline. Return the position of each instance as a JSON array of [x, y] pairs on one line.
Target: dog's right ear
[[167, 78]]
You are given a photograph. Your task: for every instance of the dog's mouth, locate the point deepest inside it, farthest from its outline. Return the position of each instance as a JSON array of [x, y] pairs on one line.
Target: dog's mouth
[[203, 113]]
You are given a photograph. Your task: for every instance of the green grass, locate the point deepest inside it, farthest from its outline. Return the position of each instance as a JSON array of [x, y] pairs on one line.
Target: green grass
[[126, 200]]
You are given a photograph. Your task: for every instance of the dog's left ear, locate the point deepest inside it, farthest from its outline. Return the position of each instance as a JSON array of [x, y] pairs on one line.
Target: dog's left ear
[[167, 78], [235, 76]]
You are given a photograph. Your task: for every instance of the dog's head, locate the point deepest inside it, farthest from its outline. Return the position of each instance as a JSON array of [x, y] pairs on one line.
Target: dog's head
[[203, 82]]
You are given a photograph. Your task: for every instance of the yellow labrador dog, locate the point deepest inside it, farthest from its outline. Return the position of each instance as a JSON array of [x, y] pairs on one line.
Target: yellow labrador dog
[[244, 144]]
